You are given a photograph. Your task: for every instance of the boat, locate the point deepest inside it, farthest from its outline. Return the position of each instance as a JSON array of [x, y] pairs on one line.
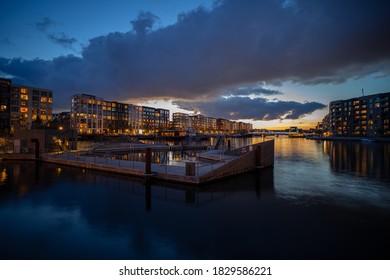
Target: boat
[[294, 132]]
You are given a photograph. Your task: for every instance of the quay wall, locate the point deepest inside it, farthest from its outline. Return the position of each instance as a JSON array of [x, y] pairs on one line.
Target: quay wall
[[259, 155]]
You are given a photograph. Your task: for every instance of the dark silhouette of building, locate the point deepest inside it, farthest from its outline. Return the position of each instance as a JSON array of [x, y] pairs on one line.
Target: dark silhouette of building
[[361, 116]]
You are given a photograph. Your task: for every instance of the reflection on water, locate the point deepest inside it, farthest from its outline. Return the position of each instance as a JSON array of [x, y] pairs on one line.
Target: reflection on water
[[332, 172], [361, 159], [309, 206]]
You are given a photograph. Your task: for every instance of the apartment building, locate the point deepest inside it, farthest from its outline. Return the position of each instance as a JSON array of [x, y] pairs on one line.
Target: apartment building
[[135, 119], [223, 126], [211, 124], [360, 116], [24, 107], [161, 119], [5, 94], [115, 117], [197, 123], [93, 115], [181, 121], [87, 114]]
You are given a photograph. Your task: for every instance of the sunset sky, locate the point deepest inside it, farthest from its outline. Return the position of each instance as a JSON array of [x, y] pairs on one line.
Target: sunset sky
[[275, 63]]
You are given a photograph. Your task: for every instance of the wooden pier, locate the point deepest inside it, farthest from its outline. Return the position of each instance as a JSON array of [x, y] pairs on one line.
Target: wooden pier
[[206, 167]]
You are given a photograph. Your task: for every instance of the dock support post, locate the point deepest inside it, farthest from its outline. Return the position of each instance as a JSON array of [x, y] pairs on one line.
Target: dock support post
[[148, 161], [228, 145], [36, 141]]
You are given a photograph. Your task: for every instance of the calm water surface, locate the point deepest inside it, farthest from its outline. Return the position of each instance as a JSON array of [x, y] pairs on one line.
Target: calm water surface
[[328, 200]]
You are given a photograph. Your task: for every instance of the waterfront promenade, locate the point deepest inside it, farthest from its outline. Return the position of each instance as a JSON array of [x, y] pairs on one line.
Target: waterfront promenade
[[208, 166]]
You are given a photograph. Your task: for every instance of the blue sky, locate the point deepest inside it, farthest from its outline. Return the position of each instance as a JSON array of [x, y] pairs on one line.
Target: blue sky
[[272, 62]]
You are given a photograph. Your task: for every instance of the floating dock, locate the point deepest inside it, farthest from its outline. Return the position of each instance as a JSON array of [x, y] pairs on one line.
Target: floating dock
[[206, 167]]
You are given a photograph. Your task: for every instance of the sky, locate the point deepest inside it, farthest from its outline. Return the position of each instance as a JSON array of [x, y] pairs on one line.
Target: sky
[[275, 63]]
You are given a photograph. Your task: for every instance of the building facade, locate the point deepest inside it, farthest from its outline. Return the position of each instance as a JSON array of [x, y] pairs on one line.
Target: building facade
[[93, 115], [87, 114], [360, 116], [135, 119], [115, 117], [5, 94], [161, 119], [181, 121], [24, 107]]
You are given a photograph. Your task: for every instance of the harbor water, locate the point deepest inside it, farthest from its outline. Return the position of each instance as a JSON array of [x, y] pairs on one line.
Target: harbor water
[[321, 200]]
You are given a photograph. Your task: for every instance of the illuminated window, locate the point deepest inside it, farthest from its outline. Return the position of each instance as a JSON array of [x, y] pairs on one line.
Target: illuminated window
[[23, 110], [3, 108], [43, 99], [23, 90], [50, 100], [24, 96]]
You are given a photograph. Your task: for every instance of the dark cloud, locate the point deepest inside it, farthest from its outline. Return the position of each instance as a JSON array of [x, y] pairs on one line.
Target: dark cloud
[[235, 43], [251, 108], [144, 22], [59, 38], [253, 90], [45, 23], [62, 39]]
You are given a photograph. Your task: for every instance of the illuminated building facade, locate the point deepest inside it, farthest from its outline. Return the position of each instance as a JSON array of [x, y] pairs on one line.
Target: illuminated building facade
[[161, 119], [24, 107], [181, 121], [115, 117], [135, 119], [360, 116], [5, 93], [93, 115], [87, 114], [211, 124]]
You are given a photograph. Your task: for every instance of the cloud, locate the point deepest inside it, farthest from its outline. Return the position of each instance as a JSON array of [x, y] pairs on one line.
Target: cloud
[[251, 108], [43, 24], [251, 90], [144, 22], [62, 39], [58, 37], [209, 51]]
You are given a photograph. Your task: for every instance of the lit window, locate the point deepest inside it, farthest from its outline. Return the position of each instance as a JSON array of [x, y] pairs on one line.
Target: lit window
[[23, 110], [3, 108], [24, 96], [43, 99], [23, 90], [50, 100]]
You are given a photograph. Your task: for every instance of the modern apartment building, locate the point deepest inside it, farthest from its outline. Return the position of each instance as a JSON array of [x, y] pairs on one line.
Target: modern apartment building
[[181, 121], [360, 116], [115, 117], [161, 119], [24, 107], [93, 115], [211, 124], [197, 123], [87, 114], [135, 119], [223, 126], [5, 94]]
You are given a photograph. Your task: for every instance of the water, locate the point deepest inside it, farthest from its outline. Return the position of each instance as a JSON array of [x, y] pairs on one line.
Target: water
[[328, 200]]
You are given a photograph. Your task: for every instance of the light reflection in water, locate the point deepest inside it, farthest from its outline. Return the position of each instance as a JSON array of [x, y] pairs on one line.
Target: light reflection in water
[[318, 202]]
